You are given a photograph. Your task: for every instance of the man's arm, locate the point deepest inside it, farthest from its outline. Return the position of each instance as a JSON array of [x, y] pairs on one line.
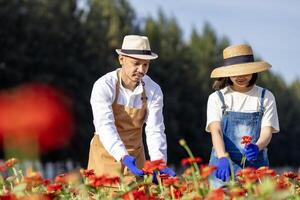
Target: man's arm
[[101, 101], [155, 128]]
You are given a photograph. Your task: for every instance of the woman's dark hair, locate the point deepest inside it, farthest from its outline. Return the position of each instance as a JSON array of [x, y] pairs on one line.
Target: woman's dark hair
[[220, 83]]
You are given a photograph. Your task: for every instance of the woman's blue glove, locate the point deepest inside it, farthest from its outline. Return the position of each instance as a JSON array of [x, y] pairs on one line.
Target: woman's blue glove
[[223, 169], [168, 171], [129, 161], [251, 152]]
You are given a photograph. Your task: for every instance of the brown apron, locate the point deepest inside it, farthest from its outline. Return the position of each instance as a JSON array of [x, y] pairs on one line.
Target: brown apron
[[129, 123]]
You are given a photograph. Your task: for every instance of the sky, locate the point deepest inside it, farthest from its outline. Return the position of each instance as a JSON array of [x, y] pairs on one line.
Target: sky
[[271, 27]]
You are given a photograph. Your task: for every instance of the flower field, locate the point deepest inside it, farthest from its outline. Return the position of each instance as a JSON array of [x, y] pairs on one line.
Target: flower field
[[249, 183]]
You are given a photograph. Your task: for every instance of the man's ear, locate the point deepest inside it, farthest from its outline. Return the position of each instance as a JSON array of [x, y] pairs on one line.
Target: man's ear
[[121, 60]]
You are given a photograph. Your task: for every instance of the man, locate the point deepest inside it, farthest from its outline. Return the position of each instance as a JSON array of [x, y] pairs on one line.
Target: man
[[122, 101]]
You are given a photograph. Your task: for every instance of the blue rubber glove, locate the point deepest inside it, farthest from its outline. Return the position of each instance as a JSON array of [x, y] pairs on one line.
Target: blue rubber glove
[[251, 152], [168, 171], [130, 161], [223, 169]]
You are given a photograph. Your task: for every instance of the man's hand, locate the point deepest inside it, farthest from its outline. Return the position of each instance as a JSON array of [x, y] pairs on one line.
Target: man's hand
[[168, 171], [251, 152], [130, 161]]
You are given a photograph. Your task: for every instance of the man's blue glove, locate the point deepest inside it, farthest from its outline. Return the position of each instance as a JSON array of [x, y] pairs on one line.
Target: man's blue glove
[[251, 152], [129, 161], [168, 171], [223, 169]]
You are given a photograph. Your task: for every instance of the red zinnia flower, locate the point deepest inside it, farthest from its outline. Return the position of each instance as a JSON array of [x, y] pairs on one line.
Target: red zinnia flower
[[170, 181], [189, 161], [290, 175], [87, 173], [151, 166], [98, 181], [217, 194], [207, 170], [237, 192], [55, 187], [265, 171], [246, 140]]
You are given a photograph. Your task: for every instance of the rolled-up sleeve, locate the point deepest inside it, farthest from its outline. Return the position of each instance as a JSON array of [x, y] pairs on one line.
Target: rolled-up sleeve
[[101, 101], [155, 128]]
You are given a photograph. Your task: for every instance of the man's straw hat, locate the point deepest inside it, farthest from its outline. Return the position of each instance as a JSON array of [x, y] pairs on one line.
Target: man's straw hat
[[136, 46], [239, 60]]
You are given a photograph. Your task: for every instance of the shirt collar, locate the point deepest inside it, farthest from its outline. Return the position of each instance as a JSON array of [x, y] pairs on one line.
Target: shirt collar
[[136, 91]]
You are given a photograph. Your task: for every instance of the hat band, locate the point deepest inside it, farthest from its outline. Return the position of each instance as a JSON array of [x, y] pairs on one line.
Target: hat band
[[133, 51], [238, 60]]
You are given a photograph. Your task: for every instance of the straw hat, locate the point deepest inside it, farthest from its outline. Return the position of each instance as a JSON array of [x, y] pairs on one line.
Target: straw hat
[[136, 46], [238, 60]]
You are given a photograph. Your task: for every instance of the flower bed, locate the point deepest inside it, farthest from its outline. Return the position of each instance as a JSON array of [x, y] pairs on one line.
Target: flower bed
[[262, 183]]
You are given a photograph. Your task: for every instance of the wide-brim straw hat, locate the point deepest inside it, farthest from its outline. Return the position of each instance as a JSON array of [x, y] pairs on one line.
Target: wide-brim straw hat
[[239, 60], [137, 46]]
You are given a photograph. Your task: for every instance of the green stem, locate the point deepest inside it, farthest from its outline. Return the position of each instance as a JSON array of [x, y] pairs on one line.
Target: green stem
[[231, 170], [192, 156]]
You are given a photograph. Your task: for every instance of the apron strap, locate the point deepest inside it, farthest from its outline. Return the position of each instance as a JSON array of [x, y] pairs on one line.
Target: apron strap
[[223, 101], [117, 87], [262, 97]]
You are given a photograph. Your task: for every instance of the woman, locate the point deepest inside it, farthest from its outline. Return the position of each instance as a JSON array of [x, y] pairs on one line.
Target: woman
[[239, 108]]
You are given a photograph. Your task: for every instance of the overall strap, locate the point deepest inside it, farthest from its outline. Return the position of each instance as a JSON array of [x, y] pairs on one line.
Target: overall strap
[[222, 100], [262, 97]]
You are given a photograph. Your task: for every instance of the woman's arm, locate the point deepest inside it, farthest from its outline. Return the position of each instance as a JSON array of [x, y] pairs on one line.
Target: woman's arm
[[265, 137], [217, 138]]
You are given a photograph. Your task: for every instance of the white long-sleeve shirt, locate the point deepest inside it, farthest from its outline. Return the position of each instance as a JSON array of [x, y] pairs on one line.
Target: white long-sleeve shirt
[[102, 98]]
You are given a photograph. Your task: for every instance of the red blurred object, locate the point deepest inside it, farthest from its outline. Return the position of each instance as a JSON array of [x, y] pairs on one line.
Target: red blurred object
[[35, 111]]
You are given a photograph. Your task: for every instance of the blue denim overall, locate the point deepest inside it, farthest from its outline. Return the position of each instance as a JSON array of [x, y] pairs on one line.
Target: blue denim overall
[[234, 126]]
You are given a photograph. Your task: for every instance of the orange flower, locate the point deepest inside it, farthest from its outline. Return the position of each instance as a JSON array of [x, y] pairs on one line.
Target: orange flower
[[176, 192], [61, 179], [246, 139], [247, 175], [33, 179], [217, 194], [282, 183], [290, 175], [189, 161], [138, 195], [207, 170], [151, 166], [11, 162], [170, 181], [98, 181], [87, 173], [55, 187], [237, 192], [265, 171]]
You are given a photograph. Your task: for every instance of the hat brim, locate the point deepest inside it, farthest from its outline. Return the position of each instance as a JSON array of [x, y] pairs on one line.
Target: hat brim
[[139, 56], [240, 69]]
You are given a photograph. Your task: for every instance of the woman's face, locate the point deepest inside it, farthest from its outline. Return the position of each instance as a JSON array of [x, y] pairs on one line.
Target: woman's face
[[241, 83]]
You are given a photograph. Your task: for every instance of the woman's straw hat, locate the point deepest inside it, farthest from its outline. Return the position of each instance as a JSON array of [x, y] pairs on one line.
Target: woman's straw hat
[[239, 60], [136, 46]]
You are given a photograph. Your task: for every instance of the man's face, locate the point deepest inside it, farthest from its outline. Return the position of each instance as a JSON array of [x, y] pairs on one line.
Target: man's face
[[134, 69]]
